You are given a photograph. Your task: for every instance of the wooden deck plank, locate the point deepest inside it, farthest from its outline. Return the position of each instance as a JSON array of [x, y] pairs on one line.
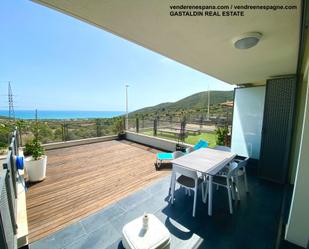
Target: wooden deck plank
[[84, 179]]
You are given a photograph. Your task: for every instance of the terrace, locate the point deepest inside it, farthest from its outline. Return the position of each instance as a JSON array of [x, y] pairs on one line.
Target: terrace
[[84, 179], [92, 190], [95, 187]]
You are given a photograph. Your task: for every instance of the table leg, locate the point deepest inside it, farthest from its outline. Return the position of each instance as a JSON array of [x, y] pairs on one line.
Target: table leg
[[209, 195], [171, 183]]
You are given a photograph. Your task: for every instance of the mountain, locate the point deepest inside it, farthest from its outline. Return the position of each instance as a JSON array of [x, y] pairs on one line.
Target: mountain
[[193, 102]]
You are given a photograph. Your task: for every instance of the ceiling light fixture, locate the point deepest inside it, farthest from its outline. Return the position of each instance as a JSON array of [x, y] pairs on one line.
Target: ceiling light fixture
[[247, 40]]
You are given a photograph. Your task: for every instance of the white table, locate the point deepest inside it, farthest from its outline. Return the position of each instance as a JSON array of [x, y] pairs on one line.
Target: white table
[[206, 161]]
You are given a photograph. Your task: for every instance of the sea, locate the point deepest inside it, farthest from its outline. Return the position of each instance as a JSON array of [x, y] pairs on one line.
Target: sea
[[53, 114]]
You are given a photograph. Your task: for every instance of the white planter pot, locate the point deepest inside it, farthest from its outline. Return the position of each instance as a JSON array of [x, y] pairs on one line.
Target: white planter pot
[[36, 169]]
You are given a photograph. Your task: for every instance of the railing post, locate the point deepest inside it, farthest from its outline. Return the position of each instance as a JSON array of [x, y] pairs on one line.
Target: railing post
[[65, 131], [62, 132], [155, 127], [16, 146], [98, 128], [183, 130], [201, 122], [137, 125], [124, 123], [17, 141]]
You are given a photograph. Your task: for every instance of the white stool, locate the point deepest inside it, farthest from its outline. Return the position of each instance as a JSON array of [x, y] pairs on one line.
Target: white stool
[[155, 237]]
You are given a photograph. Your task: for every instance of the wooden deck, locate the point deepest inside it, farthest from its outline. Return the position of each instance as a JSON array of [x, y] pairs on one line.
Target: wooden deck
[[83, 179]]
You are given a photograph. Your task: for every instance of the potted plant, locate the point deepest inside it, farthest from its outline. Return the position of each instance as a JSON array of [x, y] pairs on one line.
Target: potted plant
[[35, 161]]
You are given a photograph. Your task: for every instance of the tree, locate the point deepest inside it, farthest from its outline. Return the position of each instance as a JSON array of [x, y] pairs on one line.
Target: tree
[[41, 131], [118, 125], [221, 135], [58, 134]]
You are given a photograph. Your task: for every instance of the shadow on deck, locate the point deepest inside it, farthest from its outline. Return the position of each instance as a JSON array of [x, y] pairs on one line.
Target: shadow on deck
[[253, 225]]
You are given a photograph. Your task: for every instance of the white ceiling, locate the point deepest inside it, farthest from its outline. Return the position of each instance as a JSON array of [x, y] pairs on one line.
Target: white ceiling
[[203, 43]]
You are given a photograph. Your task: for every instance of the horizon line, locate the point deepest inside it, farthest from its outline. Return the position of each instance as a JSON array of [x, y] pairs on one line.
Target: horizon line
[[63, 110]]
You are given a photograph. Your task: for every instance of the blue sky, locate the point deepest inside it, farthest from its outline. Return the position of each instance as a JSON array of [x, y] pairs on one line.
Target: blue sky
[[56, 62]]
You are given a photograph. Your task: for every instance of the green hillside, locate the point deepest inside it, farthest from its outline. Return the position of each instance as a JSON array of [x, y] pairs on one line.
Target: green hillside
[[196, 101]]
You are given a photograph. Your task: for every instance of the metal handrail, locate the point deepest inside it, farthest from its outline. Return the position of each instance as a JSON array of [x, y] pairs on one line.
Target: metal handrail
[[8, 196], [8, 227]]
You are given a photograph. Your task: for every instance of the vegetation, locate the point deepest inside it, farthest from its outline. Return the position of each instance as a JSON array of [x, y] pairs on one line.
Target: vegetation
[[46, 131], [4, 134], [34, 149], [5, 129], [193, 109], [118, 127], [211, 138], [195, 104], [221, 135]]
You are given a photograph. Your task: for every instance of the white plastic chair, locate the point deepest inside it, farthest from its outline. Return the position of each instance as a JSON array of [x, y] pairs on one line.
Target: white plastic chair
[[226, 167], [242, 171], [226, 181], [176, 154], [189, 150], [188, 179], [223, 148]]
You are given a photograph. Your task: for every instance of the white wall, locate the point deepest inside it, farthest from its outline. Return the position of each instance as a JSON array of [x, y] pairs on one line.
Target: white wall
[[248, 121], [65, 144], [160, 143], [297, 230]]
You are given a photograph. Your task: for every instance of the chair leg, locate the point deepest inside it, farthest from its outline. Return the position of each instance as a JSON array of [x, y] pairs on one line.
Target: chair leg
[[210, 195], [204, 196], [206, 192], [246, 182], [203, 192], [231, 187], [230, 199], [194, 201], [237, 187]]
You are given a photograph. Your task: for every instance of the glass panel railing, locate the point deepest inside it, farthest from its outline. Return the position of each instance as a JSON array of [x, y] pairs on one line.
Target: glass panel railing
[[180, 129], [51, 131]]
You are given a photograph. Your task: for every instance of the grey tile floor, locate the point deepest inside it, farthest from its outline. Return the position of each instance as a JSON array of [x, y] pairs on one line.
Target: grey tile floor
[[253, 224]]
